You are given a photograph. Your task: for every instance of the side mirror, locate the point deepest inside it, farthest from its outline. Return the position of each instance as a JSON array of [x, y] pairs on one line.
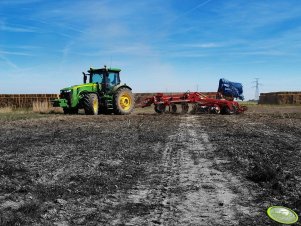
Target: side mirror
[[85, 77]]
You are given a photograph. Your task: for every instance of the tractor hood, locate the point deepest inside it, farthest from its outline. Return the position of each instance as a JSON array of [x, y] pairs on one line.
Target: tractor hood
[[79, 86], [77, 89]]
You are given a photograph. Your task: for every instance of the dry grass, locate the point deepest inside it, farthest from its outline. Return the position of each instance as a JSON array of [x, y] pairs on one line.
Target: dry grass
[[44, 107], [41, 107], [6, 110]]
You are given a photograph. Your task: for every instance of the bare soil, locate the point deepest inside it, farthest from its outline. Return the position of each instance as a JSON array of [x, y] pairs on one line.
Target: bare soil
[[150, 169]]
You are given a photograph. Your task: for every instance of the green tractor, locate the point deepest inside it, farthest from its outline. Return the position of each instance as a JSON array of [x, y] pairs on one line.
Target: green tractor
[[102, 92]]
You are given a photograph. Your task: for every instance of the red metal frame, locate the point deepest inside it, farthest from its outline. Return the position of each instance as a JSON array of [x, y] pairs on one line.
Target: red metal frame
[[201, 100]]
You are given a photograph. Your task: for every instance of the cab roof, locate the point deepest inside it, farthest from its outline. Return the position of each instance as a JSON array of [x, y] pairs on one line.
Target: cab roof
[[103, 69]]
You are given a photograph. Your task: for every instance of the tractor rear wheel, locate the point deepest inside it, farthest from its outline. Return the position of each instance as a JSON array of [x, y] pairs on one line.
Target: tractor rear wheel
[[123, 103], [90, 104]]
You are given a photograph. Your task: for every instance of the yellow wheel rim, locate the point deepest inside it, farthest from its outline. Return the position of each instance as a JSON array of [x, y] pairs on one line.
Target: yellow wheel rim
[[125, 101], [95, 105]]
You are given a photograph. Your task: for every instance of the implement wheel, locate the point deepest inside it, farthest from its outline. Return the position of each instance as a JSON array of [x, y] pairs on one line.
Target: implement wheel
[[173, 108], [123, 101], [226, 111], [90, 104], [160, 108], [185, 108]]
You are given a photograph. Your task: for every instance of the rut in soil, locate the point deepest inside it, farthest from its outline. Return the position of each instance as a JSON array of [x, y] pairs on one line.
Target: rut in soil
[[183, 189]]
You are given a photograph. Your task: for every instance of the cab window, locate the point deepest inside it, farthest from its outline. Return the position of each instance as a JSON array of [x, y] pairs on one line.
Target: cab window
[[113, 78], [97, 78]]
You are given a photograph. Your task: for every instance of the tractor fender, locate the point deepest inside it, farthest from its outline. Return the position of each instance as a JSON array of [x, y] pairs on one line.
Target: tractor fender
[[114, 90]]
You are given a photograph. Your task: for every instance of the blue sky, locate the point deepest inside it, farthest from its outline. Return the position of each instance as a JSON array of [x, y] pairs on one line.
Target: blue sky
[[160, 45]]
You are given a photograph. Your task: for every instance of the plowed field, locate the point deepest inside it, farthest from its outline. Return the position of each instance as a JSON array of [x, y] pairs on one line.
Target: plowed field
[[150, 169]]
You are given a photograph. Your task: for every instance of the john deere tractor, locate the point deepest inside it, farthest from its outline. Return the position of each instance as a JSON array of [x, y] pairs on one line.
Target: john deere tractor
[[102, 92]]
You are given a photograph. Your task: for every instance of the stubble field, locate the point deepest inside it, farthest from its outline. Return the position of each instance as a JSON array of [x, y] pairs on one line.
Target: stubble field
[[150, 169]]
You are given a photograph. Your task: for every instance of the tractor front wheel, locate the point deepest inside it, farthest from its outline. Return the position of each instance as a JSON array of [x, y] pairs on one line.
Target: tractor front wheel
[[123, 101], [90, 104]]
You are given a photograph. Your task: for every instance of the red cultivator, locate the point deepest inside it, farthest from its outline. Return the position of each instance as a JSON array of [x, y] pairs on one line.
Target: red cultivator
[[200, 104]]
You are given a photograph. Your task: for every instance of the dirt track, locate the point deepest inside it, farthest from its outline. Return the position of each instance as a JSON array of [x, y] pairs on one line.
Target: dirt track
[[146, 169]]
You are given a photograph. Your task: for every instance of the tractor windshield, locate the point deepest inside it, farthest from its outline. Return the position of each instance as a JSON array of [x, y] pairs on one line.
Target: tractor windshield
[[97, 77]]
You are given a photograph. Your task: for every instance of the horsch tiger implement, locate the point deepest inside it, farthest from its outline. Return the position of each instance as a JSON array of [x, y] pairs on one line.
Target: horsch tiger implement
[[223, 103]]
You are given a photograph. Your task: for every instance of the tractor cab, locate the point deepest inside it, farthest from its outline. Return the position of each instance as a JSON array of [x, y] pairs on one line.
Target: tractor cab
[[108, 78]]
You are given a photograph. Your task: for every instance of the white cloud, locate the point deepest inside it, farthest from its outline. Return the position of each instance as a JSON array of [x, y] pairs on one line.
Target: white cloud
[[4, 27], [15, 53], [18, 2], [8, 62], [201, 45]]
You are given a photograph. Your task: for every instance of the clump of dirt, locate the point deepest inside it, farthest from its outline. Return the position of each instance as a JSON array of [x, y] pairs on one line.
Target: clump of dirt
[[262, 172]]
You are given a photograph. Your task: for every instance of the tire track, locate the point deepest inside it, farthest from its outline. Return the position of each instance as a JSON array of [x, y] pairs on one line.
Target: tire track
[[184, 189], [209, 201]]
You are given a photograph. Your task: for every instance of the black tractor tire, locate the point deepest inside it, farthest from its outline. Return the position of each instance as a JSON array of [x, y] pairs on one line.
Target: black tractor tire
[[90, 103], [160, 108], [70, 111], [123, 101]]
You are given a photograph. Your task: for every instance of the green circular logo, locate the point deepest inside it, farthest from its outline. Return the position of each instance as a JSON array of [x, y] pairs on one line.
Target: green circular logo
[[282, 215]]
